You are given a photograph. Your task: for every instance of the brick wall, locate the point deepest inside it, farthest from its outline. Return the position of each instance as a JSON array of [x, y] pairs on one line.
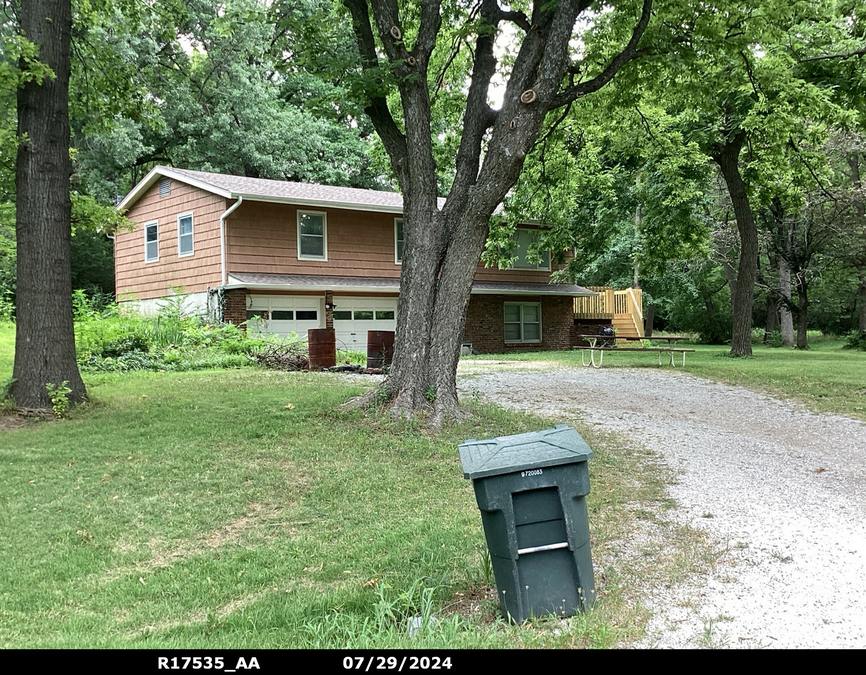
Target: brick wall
[[235, 306], [485, 323]]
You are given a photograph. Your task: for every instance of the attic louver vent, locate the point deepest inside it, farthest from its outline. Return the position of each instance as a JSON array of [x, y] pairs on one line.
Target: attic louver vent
[[164, 187]]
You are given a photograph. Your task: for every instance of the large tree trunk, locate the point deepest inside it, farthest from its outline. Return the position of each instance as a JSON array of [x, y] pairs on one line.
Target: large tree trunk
[[772, 322], [861, 298], [802, 308], [786, 319], [727, 156], [44, 338], [442, 247], [860, 209]]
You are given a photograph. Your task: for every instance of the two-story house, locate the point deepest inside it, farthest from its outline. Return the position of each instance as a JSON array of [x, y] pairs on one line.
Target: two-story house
[[303, 256]]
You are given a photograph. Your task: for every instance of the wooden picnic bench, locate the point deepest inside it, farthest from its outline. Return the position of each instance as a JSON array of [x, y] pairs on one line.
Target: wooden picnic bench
[[593, 348]]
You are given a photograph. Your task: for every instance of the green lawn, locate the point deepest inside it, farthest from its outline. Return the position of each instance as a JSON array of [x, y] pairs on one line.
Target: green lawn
[[242, 508], [825, 377]]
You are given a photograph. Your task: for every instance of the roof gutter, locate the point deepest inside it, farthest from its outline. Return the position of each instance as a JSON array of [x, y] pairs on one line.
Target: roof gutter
[[226, 213]]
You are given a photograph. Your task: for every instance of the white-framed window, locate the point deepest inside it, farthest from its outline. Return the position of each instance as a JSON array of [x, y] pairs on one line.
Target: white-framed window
[[151, 242], [312, 235], [522, 321], [398, 240], [526, 238], [184, 234]]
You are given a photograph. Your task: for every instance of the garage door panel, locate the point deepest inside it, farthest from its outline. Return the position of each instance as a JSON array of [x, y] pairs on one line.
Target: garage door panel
[[284, 315], [353, 317]]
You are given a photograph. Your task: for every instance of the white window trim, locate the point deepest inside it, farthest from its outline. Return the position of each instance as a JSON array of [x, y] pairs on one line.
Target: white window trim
[[154, 223], [537, 267], [324, 235], [398, 260], [521, 340], [191, 234]]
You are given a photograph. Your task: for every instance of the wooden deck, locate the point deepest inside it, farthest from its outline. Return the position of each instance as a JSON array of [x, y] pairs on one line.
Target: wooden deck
[[624, 309]]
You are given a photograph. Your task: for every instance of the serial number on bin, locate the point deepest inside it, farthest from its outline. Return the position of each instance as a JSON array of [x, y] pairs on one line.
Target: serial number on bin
[[398, 664], [531, 472]]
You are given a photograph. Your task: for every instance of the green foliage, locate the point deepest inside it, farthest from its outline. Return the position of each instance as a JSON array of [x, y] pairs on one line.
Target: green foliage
[[59, 395], [107, 341], [856, 339], [89, 307], [225, 91], [775, 340], [92, 252], [6, 390], [351, 356], [19, 65], [8, 261]]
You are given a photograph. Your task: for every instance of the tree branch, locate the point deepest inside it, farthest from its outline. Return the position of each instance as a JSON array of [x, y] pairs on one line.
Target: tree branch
[[553, 127], [630, 53], [648, 126], [378, 111], [818, 182], [478, 116], [847, 55], [518, 18], [456, 43]]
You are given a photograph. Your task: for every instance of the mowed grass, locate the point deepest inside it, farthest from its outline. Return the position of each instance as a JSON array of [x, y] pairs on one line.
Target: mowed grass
[[243, 508], [826, 377]]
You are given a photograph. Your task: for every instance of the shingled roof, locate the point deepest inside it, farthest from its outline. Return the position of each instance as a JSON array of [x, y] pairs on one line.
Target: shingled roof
[[309, 282], [278, 191]]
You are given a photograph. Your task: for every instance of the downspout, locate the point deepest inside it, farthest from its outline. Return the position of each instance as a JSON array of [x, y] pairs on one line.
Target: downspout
[[225, 275]]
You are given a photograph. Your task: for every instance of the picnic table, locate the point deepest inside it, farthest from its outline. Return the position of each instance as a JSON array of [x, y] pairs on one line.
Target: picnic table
[[596, 348]]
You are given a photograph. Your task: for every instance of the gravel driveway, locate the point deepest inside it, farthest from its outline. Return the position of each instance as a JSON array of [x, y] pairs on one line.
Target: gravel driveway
[[780, 489]]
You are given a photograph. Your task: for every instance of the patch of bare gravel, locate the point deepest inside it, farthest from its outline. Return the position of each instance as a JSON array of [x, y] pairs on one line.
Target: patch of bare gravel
[[781, 490]]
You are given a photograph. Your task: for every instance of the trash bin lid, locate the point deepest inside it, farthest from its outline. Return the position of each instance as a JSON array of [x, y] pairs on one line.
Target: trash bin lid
[[536, 449]]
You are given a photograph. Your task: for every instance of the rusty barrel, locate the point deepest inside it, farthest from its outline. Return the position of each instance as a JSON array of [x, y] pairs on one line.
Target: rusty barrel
[[380, 348], [322, 343]]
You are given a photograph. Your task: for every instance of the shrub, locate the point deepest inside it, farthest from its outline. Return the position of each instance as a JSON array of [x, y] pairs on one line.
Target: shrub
[[109, 341], [856, 339]]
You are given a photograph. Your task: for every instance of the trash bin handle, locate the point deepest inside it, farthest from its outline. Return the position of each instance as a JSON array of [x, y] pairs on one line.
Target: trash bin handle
[[546, 547]]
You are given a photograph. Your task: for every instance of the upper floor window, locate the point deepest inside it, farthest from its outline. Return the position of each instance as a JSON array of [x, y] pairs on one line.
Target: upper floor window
[[184, 234], [398, 240], [312, 235], [525, 238], [151, 242]]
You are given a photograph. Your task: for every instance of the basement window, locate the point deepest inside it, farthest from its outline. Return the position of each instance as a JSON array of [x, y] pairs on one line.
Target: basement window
[[522, 322]]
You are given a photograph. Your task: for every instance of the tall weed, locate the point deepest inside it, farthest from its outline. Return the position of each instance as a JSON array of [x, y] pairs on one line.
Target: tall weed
[[110, 341]]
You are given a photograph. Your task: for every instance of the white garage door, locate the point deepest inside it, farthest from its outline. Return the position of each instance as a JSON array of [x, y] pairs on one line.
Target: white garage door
[[286, 314], [353, 317]]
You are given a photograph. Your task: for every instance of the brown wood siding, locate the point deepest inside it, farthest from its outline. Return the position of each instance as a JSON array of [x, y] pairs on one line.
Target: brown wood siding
[[136, 279], [262, 238], [517, 276]]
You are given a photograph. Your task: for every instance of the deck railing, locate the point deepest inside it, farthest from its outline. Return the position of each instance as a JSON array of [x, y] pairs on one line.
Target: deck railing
[[625, 305]]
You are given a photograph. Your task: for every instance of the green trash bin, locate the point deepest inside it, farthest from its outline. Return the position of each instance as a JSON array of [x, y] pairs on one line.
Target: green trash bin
[[531, 489]]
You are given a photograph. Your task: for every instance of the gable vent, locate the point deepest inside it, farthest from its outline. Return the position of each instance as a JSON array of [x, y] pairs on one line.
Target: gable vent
[[164, 187]]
